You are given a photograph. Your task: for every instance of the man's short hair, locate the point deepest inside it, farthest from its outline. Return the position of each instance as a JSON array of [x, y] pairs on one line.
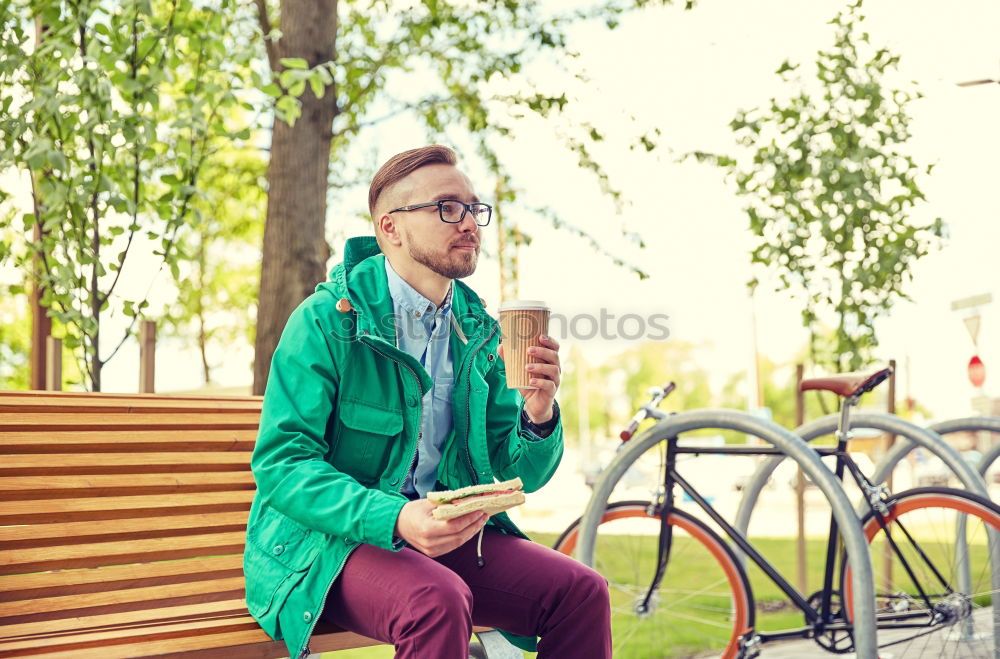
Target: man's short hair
[[402, 165]]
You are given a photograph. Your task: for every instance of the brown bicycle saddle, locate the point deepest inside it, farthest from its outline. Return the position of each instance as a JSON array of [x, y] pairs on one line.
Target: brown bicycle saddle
[[847, 384]]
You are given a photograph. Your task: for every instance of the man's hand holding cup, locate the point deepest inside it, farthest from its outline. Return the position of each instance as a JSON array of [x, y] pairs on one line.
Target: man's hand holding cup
[[531, 356]]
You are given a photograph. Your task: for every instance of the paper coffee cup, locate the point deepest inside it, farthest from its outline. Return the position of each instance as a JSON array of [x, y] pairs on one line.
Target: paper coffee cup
[[521, 323]]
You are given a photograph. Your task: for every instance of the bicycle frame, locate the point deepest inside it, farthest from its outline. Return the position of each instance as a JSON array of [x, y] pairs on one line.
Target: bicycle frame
[[821, 618], [818, 618]]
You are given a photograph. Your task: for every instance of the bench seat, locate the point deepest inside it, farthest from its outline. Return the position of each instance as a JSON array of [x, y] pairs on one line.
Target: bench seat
[[122, 522]]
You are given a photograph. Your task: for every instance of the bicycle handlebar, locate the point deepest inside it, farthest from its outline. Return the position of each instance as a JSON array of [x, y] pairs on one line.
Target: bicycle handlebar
[[657, 397]]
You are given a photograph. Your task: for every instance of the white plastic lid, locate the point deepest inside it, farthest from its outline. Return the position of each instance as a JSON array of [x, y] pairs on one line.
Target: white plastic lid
[[510, 305]]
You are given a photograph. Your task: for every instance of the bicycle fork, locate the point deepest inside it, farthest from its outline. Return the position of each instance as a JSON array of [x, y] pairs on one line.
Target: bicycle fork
[[664, 506]]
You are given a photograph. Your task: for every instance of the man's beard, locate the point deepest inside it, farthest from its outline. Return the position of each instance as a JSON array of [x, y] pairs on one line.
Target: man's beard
[[452, 264]]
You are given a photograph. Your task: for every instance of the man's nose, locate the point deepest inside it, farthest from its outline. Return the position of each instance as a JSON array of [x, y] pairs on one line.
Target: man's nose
[[468, 223]]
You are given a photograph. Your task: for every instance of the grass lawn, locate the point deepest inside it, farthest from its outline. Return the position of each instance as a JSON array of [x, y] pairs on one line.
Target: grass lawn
[[619, 558], [781, 551]]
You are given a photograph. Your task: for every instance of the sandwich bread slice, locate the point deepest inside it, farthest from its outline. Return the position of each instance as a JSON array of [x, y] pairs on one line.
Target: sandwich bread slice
[[491, 498]]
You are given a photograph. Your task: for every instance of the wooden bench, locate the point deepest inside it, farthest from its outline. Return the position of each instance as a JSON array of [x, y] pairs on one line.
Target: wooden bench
[[122, 522]]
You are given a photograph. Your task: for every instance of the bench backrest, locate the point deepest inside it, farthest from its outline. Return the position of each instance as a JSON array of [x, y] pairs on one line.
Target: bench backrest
[[154, 491]]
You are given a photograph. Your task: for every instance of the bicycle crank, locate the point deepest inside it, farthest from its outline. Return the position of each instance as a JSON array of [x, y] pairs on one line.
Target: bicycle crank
[[838, 640]]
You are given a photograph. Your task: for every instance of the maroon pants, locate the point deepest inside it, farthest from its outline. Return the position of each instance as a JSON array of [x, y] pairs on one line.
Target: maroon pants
[[426, 607]]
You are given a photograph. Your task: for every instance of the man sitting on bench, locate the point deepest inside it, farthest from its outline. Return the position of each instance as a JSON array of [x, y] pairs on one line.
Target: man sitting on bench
[[388, 383]]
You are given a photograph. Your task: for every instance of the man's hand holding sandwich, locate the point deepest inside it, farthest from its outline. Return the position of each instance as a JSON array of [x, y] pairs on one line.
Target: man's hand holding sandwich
[[446, 520]]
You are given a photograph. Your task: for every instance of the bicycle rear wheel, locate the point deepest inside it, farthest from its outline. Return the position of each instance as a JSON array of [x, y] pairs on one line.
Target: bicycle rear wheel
[[703, 603], [925, 607]]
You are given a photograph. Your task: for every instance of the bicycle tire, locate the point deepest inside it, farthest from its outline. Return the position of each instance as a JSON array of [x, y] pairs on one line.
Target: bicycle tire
[[710, 596], [968, 616]]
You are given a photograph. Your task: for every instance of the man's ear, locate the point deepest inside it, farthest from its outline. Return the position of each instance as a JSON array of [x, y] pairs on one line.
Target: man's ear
[[390, 232]]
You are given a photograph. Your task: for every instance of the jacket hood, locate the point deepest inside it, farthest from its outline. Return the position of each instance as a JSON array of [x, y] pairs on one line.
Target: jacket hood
[[360, 278]]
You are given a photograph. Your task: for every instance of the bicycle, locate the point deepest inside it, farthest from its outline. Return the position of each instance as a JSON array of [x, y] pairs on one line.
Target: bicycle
[[683, 574]]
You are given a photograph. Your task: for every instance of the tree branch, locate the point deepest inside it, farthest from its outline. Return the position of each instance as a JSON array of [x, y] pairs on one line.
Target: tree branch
[[273, 57], [133, 227], [373, 78], [166, 40], [358, 125]]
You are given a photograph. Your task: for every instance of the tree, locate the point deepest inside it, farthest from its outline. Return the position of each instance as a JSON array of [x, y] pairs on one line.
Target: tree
[[830, 191], [218, 285], [337, 67], [113, 109]]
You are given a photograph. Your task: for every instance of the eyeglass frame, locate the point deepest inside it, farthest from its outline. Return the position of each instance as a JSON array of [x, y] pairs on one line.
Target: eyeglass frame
[[466, 209]]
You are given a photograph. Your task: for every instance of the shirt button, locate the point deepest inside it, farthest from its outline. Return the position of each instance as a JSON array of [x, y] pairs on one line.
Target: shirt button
[[278, 550], [420, 435], [307, 616], [416, 314], [411, 401]]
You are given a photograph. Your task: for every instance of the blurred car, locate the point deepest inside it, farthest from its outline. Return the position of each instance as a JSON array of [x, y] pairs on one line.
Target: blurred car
[[929, 470]]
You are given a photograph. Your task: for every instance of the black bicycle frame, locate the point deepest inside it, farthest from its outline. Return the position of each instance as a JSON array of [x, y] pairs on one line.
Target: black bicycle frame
[[820, 619]]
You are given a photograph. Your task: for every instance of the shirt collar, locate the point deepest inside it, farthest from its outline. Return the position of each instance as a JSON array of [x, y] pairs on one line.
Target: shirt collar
[[405, 296]]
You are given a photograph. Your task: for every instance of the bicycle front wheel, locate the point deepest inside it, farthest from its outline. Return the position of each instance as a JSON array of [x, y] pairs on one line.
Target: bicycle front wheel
[[702, 605], [934, 588]]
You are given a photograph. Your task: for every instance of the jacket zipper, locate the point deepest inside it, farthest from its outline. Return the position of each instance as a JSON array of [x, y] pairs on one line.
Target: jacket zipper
[[468, 452], [468, 406], [413, 459]]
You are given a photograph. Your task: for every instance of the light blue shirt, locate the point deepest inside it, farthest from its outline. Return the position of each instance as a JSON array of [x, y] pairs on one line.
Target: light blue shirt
[[423, 331]]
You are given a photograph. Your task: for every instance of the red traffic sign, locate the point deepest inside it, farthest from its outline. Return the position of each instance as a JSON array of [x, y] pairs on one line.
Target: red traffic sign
[[977, 371]]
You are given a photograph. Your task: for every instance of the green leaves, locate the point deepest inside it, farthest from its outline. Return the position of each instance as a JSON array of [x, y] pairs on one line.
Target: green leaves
[[113, 113], [830, 190]]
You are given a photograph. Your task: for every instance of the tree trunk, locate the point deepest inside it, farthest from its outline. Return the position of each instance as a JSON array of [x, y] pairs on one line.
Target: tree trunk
[[295, 248], [41, 324], [199, 307]]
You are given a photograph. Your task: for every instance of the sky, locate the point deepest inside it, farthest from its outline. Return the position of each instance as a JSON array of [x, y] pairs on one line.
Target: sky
[[686, 73], [689, 73]]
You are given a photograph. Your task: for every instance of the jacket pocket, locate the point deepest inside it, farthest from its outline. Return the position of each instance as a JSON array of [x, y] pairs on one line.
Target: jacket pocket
[[368, 433], [278, 553]]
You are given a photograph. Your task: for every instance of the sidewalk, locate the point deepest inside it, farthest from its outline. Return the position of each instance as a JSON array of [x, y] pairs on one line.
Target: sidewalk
[[929, 646]]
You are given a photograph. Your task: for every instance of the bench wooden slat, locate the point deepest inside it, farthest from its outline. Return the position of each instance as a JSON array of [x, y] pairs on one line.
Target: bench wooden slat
[[88, 421], [120, 528], [111, 637], [119, 553], [98, 508], [100, 395], [69, 402], [40, 484], [220, 645], [231, 608], [155, 594], [10, 586], [53, 441], [13, 463]]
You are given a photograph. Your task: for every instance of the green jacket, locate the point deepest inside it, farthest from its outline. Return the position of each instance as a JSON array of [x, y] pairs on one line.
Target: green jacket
[[338, 435]]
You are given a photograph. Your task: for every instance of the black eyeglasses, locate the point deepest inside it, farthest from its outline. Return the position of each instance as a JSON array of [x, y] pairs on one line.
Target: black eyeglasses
[[453, 211]]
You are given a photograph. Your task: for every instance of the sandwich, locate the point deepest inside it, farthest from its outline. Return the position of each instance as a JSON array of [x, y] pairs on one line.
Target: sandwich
[[491, 498]]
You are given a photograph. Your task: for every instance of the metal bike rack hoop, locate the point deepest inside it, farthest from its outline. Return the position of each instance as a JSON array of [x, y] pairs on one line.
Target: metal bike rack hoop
[[794, 447], [971, 424], [913, 436]]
